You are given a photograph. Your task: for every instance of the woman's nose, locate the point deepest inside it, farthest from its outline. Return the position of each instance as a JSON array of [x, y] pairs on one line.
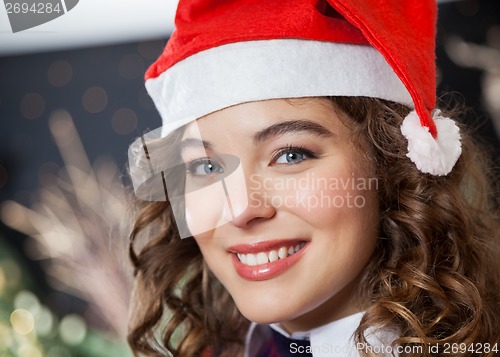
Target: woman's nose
[[249, 203]]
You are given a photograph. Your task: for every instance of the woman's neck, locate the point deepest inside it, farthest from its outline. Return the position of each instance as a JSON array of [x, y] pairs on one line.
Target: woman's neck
[[337, 307]]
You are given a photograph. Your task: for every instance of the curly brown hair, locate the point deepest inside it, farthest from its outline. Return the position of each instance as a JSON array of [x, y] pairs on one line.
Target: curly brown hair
[[434, 276]]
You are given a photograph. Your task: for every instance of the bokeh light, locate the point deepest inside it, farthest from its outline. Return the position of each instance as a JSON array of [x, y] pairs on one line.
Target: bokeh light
[[150, 49], [32, 105], [124, 121], [29, 350], [95, 99], [131, 66], [44, 321], [72, 329], [60, 73], [6, 338], [22, 321], [26, 300]]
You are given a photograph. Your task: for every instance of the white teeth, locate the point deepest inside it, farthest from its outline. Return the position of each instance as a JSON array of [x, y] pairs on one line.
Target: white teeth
[[251, 259], [271, 256], [282, 253], [262, 258]]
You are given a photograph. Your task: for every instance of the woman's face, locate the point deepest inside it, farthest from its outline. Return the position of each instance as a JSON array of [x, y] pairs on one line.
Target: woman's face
[[300, 221]]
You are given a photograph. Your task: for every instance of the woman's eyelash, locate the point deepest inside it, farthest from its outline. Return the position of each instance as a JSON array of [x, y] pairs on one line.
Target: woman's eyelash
[[290, 150], [193, 166]]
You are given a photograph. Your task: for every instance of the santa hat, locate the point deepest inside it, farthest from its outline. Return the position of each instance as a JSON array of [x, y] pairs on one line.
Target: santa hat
[[227, 52]]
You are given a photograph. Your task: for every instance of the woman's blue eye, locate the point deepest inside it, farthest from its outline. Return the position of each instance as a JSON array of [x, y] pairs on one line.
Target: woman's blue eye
[[292, 156], [204, 167]]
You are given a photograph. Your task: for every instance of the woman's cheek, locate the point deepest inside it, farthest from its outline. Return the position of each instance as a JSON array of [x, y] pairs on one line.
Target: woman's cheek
[[324, 204], [318, 205], [206, 209]]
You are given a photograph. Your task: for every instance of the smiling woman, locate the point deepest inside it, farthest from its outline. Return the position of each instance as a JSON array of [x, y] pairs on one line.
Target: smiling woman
[[295, 237], [287, 250]]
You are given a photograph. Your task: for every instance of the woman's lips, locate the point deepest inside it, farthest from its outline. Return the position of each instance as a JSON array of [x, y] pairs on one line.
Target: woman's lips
[[266, 260]]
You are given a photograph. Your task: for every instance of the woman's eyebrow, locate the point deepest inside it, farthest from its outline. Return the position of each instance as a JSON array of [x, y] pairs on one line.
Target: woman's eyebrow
[[194, 143], [291, 126]]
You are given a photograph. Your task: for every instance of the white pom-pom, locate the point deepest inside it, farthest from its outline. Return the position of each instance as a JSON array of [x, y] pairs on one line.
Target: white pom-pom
[[432, 156]]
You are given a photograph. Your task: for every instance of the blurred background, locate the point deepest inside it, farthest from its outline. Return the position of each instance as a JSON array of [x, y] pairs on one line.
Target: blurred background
[[72, 100]]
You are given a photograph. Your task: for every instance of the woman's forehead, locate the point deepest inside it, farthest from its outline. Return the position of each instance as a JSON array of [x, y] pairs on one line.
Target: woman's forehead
[[253, 117]]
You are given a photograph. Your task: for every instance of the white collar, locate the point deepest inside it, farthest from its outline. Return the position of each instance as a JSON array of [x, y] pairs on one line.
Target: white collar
[[333, 339]]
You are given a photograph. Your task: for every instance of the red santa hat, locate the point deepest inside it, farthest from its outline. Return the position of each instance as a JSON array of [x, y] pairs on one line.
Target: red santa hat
[[227, 52]]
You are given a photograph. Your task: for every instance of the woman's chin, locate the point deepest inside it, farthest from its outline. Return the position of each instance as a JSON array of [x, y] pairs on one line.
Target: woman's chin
[[264, 318], [267, 312]]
